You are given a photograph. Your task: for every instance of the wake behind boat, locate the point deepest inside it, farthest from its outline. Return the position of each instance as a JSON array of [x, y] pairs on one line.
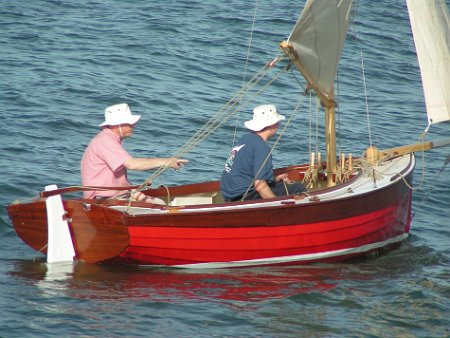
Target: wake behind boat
[[354, 206]]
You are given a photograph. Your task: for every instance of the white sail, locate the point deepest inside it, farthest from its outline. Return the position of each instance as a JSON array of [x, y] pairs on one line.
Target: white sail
[[318, 38], [430, 26]]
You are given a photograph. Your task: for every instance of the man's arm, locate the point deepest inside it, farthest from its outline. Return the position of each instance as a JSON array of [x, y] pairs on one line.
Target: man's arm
[[152, 163], [263, 189]]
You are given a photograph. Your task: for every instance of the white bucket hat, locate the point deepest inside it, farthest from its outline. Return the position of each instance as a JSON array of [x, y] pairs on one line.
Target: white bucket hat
[[119, 114], [264, 116]]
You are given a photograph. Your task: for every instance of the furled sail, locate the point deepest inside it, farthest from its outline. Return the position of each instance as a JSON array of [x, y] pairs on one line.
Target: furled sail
[[430, 25], [318, 38]]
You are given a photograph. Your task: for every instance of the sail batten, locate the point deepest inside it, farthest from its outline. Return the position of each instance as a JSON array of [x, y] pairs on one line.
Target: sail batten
[[318, 38], [430, 24]]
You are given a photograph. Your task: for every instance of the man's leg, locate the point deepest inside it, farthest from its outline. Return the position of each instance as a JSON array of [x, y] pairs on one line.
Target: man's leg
[[282, 188]]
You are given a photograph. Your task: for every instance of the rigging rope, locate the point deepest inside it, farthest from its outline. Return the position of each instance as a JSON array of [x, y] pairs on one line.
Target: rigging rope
[[428, 192], [337, 112], [234, 105], [310, 124], [245, 67], [317, 122], [250, 43], [366, 100]]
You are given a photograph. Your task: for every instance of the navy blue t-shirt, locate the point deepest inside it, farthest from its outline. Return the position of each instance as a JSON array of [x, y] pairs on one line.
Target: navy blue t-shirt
[[245, 163]]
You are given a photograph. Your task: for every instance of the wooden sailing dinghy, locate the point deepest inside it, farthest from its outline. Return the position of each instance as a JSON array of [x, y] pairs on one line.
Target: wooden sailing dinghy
[[354, 206]]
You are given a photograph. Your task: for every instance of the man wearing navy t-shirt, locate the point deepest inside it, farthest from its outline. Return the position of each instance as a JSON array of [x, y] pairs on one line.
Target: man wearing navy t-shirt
[[248, 172]]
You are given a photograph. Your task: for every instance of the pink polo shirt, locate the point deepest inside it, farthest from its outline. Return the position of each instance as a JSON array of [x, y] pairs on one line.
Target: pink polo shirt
[[102, 164]]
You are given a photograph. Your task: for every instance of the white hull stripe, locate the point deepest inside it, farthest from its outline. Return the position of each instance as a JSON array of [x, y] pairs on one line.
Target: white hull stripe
[[295, 258]]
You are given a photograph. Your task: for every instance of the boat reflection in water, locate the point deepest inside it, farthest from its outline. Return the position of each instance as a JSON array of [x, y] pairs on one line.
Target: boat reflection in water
[[89, 281]]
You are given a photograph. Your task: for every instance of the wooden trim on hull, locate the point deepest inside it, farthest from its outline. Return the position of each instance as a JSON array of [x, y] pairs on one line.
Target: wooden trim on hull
[[30, 222], [97, 235], [286, 214]]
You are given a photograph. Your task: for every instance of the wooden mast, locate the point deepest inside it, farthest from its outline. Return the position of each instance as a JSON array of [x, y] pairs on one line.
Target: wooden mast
[[328, 103], [330, 141]]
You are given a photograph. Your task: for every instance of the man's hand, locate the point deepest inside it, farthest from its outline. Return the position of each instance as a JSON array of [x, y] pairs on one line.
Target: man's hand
[[176, 163], [282, 177]]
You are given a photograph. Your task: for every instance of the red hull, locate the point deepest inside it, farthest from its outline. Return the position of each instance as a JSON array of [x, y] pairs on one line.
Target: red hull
[[257, 237], [178, 246], [234, 234]]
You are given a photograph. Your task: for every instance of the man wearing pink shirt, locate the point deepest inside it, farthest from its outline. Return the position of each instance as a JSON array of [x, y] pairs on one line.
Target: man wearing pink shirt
[[105, 161]]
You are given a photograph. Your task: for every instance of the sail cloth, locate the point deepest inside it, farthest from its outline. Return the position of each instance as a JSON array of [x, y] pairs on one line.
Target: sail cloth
[[430, 25], [318, 38]]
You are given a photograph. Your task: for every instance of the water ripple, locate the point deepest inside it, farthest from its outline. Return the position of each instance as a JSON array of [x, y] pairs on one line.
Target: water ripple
[[177, 63]]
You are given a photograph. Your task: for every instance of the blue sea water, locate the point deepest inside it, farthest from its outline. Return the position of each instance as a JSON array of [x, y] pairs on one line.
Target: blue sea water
[[177, 63]]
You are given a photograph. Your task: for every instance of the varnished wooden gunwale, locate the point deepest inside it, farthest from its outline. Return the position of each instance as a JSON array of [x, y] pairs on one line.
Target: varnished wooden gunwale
[[270, 216]]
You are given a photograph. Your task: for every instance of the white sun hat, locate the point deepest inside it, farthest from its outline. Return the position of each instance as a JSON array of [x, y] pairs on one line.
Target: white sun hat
[[119, 114], [264, 116]]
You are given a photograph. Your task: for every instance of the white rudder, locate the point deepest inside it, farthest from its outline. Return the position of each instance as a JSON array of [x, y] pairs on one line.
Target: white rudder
[[59, 246]]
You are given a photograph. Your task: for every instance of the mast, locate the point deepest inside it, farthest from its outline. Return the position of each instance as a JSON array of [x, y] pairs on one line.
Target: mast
[[328, 103], [330, 141], [314, 47]]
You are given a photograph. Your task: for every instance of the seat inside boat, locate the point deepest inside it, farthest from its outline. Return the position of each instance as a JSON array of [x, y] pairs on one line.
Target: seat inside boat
[[197, 199]]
